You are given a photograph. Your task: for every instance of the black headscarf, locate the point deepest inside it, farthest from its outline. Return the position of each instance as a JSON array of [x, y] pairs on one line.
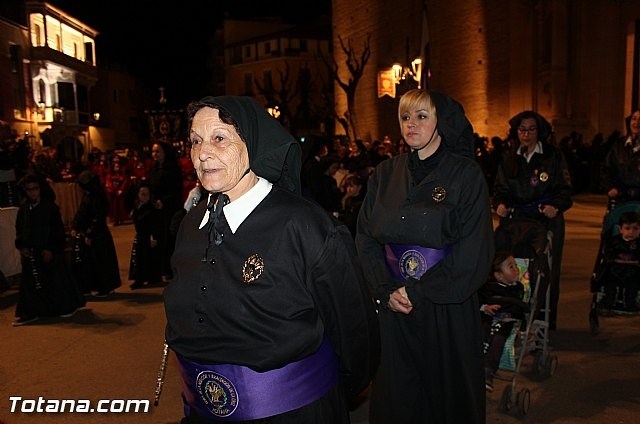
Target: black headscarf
[[454, 127], [544, 127], [273, 153]]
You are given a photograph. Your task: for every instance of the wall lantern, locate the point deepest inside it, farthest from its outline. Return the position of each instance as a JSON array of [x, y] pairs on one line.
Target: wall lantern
[[414, 71]]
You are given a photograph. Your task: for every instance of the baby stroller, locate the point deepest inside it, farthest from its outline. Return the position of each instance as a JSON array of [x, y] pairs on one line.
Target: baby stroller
[[530, 243], [609, 228]]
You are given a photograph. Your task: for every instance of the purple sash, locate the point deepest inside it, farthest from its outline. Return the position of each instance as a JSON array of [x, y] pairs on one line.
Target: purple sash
[[406, 261], [228, 392]]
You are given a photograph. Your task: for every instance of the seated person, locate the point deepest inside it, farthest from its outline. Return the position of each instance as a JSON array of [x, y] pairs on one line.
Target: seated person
[[622, 261], [500, 299]]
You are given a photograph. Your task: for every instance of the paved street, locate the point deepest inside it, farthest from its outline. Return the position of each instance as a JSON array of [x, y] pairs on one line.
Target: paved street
[[112, 349]]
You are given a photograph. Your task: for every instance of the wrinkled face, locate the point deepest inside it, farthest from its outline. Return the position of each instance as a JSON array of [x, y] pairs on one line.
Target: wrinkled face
[[508, 271], [630, 231], [219, 155], [634, 124], [528, 132], [157, 153], [418, 127]]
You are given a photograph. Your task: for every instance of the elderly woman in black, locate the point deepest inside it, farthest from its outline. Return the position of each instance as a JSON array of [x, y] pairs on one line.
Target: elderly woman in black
[[267, 312], [425, 239], [533, 182]]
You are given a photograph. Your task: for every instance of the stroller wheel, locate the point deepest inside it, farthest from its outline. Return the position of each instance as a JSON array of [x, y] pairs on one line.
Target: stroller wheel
[[550, 365], [505, 401], [523, 400]]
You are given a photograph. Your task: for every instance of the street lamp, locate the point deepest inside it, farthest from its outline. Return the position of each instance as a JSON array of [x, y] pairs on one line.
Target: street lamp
[[414, 71], [274, 111]]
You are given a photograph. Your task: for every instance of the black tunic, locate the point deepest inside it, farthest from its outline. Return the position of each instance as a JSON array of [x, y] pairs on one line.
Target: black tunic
[[143, 265], [311, 286], [431, 367], [46, 289]]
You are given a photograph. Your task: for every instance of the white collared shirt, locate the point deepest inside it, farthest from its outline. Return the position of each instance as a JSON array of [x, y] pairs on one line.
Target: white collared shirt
[[238, 210], [527, 155]]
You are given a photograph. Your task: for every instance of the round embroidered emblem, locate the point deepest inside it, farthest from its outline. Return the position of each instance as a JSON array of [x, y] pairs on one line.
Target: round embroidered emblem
[[544, 177], [412, 264], [252, 268], [217, 393]]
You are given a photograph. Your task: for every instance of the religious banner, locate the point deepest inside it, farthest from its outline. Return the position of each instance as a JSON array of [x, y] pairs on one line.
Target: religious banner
[[165, 126]]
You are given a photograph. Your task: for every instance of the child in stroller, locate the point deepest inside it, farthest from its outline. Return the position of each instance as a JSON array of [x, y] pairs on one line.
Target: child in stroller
[[621, 277], [502, 304]]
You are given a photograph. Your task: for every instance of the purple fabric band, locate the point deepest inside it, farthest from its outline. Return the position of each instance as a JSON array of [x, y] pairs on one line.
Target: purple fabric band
[[406, 261], [233, 392]]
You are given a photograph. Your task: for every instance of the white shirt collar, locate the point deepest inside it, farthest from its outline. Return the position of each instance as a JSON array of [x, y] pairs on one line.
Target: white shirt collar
[[238, 210], [528, 156]]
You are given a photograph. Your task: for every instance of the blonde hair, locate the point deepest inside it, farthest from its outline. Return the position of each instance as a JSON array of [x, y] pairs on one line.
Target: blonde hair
[[414, 100]]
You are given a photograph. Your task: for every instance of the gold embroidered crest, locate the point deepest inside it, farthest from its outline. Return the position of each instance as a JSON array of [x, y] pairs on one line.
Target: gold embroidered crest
[[252, 268], [439, 194], [544, 176]]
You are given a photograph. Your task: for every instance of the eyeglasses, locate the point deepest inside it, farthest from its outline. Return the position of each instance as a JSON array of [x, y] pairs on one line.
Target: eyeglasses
[[527, 130]]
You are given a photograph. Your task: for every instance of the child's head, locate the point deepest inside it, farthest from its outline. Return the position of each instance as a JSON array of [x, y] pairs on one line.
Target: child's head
[[144, 193], [505, 269], [629, 225]]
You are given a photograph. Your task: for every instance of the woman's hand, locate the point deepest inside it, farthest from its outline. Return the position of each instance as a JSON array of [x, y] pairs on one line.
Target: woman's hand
[[613, 193], [549, 211], [491, 309], [399, 301], [502, 210]]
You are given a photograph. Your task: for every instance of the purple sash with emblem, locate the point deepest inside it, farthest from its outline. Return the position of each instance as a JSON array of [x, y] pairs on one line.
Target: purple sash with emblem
[[227, 392], [406, 261]]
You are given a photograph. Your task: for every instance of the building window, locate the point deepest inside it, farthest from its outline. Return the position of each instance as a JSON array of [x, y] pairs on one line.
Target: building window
[[303, 45], [248, 83], [267, 47], [247, 51], [266, 80]]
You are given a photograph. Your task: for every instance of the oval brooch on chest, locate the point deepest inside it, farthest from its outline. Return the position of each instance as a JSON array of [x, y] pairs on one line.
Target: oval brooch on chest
[[252, 268], [439, 194], [544, 177]]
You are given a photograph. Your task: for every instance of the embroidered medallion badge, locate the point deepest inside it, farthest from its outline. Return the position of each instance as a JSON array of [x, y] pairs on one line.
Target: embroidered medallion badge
[[544, 177], [439, 194], [412, 264], [217, 393], [252, 269]]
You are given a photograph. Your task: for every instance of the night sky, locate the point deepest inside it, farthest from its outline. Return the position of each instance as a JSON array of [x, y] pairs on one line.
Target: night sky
[[171, 38]]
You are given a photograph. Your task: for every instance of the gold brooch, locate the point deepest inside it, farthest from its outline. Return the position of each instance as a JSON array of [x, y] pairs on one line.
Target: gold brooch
[[544, 176], [252, 268], [439, 194]]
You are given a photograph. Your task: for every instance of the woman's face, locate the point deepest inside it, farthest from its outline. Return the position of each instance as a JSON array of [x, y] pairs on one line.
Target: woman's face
[[219, 155], [528, 132], [634, 124], [157, 153], [418, 128]]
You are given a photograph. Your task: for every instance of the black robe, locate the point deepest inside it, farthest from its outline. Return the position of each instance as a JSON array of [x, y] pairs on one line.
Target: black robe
[[311, 287], [95, 265], [143, 265], [46, 289], [431, 367]]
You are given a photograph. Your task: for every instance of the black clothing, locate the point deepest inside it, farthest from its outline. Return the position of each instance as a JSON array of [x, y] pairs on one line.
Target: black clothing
[[622, 170], [309, 288], [435, 351], [95, 265], [525, 186], [621, 277], [144, 258], [46, 288], [165, 182]]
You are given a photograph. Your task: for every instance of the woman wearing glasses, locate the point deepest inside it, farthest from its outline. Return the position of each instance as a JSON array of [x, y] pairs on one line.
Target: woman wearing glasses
[[533, 182]]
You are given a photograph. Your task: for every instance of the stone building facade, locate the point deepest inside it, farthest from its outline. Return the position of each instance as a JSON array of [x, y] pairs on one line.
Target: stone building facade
[[575, 62]]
